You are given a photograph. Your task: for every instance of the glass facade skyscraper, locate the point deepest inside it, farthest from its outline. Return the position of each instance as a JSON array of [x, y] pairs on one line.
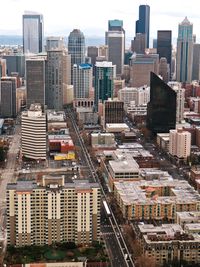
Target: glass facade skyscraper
[[104, 81], [184, 56], [161, 110], [32, 33], [142, 24]]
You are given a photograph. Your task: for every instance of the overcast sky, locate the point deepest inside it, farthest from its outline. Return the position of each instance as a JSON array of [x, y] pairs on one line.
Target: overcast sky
[[91, 16]]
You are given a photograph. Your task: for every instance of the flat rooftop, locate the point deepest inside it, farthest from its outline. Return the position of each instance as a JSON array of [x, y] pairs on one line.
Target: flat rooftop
[[125, 166]]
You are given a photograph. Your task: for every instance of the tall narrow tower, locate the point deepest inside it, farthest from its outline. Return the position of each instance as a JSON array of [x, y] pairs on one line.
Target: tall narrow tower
[[184, 51], [32, 32], [143, 23]]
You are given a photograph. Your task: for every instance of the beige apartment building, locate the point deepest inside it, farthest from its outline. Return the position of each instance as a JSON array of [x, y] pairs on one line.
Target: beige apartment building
[[53, 211], [180, 143]]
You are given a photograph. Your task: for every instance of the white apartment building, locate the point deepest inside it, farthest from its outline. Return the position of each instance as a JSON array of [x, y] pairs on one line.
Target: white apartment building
[[179, 143], [139, 95], [33, 133], [53, 211], [180, 100]]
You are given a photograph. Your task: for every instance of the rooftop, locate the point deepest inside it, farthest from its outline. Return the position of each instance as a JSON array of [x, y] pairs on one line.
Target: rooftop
[[125, 166]]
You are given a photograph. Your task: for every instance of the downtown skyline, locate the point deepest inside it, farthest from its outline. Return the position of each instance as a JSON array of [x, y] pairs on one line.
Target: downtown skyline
[[62, 18]]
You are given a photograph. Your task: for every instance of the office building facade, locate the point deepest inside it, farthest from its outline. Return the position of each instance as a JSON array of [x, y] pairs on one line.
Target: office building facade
[[33, 133], [92, 52], [143, 23], [35, 81], [58, 77], [32, 33], [196, 62], [82, 80], [164, 45], [161, 110], [104, 81], [184, 56], [113, 111], [55, 42], [67, 212], [8, 86]]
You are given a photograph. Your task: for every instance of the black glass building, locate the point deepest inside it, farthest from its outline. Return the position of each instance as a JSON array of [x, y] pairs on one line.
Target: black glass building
[[142, 24], [161, 110], [164, 45]]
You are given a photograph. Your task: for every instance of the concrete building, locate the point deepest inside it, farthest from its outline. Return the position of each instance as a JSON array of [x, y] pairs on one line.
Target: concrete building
[[179, 143], [118, 84], [184, 56], [155, 199], [8, 86], [103, 140], [116, 49], [104, 81], [33, 133], [113, 112], [93, 53], [55, 42], [117, 127], [68, 94], [58, 77], [164, 70], [52, 211], [33, 33], [168, 243], [180, 100], [141, 67], [35, 81], [121, 170], [139, 95], [196, 62], [3, 68], [138, 45], [162, 141], [103, 52], [82, 80]]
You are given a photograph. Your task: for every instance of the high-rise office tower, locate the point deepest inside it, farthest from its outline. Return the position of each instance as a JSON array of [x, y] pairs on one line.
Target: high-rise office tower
[[143, 23], [161, 110], [104, 81], [115, 39], [8, 87], [58, 77], [33, 135], [15, 63], [103, 51], [2, 67], [164, 69], [32, 33], [55, 42], [76, 48], [164, 45], [141, 67], [53, 211], [82, 80], [184, 56], [92, 52], [179, 143], [138, 44], [196, 62], [35, 81]]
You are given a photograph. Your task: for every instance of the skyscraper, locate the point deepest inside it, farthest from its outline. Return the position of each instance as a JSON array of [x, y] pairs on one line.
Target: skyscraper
[[76, 48], [92, 52], [184, 55], [196, 62], [82, 80], [104, 76], [32, 32], [58, 77], [143, 23], [161, 110], [54, 42], [33, 135], [164, 45], [8, 87], [35, 81], [115, 39]]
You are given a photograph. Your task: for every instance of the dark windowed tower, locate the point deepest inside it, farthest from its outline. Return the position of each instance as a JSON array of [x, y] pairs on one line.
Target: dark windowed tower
[[164, 45], [142, 24], [161, 110]]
